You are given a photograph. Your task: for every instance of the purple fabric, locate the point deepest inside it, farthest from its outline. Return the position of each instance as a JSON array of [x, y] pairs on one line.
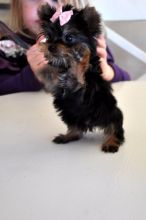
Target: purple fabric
[[21, 82], [120, 74], [14, 78]]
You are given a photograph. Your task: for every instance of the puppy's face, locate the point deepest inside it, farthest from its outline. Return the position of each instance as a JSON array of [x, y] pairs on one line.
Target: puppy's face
[[69, 48]]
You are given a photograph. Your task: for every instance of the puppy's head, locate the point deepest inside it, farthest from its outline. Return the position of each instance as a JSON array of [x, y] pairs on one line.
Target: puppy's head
[[70, 46]]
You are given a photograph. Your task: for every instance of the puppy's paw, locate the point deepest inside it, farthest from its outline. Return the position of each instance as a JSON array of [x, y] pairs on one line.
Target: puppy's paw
[[63, 139], [110, 148], [60, 139]]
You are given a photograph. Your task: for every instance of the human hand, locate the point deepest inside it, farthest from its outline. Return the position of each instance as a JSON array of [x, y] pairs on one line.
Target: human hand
[[107, 70], [36, 59]]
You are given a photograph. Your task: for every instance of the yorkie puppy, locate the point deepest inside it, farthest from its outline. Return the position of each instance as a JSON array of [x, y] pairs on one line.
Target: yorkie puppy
[[82, 97]]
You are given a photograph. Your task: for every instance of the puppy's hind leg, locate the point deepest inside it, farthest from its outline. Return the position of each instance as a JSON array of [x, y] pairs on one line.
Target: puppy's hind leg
[[73, 134], [114, 133]]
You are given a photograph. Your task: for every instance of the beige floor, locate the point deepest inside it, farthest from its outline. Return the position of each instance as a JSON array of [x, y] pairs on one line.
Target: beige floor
[[40, 180]]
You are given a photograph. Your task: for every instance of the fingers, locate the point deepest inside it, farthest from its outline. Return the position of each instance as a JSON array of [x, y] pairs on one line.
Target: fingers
[[101, 47], [35, 55], [101, 42], [36, 58], [101, 53], [33, 51], [107, 70]]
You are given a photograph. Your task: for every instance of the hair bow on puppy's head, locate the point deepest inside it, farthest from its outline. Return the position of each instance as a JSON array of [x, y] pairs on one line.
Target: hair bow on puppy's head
[[64, 17]]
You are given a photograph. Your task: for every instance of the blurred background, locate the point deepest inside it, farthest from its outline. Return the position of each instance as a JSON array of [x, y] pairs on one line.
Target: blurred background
[[126, 32], [4, 10]]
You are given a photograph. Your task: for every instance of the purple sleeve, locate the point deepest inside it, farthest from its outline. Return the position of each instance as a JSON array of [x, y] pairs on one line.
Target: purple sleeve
[[21, 82], [120, 74]]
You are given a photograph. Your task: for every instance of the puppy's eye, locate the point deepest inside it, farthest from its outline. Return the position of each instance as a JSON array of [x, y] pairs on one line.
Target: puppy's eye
[[69, 38]]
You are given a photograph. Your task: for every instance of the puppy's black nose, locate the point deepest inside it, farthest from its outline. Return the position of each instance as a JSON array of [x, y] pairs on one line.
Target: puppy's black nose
[[52, 48]]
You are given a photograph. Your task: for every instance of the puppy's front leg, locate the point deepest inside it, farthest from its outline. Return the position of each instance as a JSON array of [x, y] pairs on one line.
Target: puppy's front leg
[[73, 134]]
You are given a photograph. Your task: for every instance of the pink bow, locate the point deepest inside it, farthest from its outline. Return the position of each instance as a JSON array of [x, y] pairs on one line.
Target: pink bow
[[64, 17]]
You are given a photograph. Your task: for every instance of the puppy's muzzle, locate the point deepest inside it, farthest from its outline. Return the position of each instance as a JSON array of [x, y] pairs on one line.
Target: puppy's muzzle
[[60, 62], [61, 56]]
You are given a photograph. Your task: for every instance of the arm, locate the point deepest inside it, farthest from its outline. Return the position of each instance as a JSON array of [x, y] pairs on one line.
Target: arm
[[111, 71], [15, 73], [20, 82], [119, 74], [26, 79]]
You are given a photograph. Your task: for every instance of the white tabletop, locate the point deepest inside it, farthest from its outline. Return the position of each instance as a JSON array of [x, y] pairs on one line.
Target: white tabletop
[[40, 180]]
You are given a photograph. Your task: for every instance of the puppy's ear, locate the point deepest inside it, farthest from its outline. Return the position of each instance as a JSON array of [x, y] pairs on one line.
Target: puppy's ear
[[45, 12], [93, 20]]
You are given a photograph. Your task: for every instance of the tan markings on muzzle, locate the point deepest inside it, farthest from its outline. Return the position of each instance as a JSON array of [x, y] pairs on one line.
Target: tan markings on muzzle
[[82, 67]]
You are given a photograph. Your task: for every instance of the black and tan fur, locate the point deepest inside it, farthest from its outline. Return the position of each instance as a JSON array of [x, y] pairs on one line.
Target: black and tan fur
[[83, 99]]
